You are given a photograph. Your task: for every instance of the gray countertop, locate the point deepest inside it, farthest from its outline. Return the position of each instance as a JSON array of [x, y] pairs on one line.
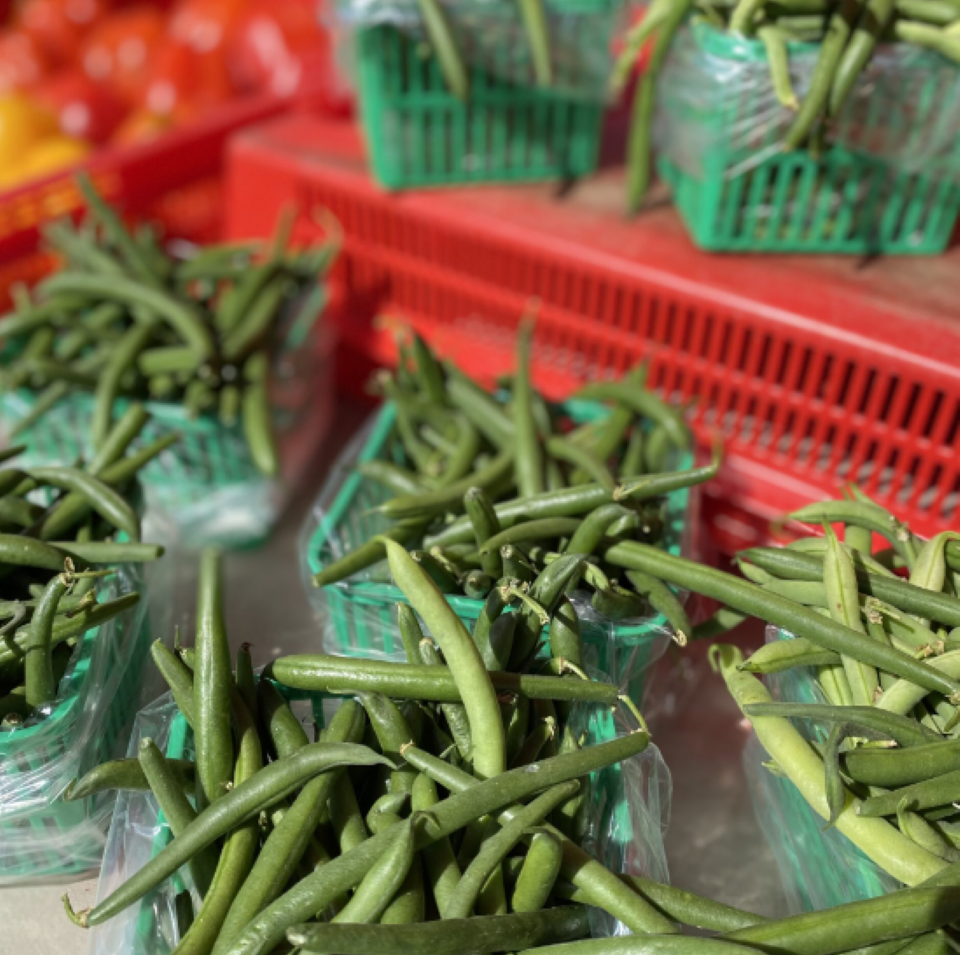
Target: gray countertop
[[714, 845]]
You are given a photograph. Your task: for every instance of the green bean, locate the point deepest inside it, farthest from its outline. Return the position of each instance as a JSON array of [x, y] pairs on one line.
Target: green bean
[[479, 407], [646, 945], [167, 787], [107, 552], [878, 840], [286, 844], [462, 657], [639, 146], [392, 477], [256, 319], [775, 43], [483, 518], [496, 847], [591, 529], [474, 936], [899, 593], [840, 584], [927, 794], [385, 877], [930, 569], [870, 27], [256, 416], [444, 46], [212, 732], [839, 28], [871, 517], [583, 460], [677, 904], [182, 317], [240, 804], [126, 774], [906, 732], [723, 621], [461, 459], [98, 494], [443, 871], [657, 485], [477, 584], [664, 601], [122, 358], [455, 713], [785, 654], [313, 893], [444, 581], [342, 676], [565, 639], [45, 402], [367, 554], [801, 621], [915, 827], [894, 768], [931, 37], [178, 678], [117, 232], [239, 848], [541, 866], [38, 659], [392, 733], [427, 504], [537, 530]]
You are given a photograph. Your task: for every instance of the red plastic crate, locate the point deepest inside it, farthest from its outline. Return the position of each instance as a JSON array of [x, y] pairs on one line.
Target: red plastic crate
[[815, 369]]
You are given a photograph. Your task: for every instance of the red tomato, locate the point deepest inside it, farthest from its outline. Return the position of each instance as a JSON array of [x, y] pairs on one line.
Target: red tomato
[[180, 76], [84, 109], [117, 52], [280, 48], [58, 26], [22, 62], [204, 25]]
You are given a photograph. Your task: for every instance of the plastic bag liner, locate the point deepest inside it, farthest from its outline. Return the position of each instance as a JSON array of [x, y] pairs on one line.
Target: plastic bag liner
[[205, 489], [491, 38], [359, 616], [819, 866], [629, 815], [716, 109], [41, 836]]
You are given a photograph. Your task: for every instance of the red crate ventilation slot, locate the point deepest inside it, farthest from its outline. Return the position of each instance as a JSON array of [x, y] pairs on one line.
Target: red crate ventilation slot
[[816, 370]]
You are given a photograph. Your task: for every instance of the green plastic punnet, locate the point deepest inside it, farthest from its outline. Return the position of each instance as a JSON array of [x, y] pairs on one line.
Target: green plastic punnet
[[420, 134], [41, 836], [890, 183], [361, 612], [819, 866]]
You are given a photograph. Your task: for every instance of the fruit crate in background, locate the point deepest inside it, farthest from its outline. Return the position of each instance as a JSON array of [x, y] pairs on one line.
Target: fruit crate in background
[[175, 179], [816, 370]]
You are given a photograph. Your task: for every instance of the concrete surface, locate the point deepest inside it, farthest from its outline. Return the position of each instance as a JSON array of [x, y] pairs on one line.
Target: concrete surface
[[714, 845]]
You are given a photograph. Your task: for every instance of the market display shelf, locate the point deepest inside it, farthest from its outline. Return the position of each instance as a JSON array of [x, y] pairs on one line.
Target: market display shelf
[[817, 370]]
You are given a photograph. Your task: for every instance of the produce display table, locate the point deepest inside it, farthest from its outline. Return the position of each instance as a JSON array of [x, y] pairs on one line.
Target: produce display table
[[816, 369]]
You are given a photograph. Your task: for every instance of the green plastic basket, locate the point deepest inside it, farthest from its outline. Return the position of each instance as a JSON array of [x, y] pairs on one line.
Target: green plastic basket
[[819, 866], [626, 826], [41, 836], [361, 612], [847, 201], [206, 487], [420, 134]]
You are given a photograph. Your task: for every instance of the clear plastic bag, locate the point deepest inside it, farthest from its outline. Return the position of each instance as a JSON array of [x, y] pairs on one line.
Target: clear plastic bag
[[629, 814], [206, 489], [358, 616], [490, 37], [716, 106], [819, 866], [41, 836]]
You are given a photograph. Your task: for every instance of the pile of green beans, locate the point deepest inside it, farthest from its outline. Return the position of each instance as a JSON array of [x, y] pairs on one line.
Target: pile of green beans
[[847, 33], [880, 630], [503, 499], [122, 318], [433, 822], [52, 556]]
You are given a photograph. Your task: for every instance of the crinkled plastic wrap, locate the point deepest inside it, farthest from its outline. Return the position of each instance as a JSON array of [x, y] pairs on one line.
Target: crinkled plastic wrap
[[359, 617], [490, 37], [819, 866], [628, 818], [41, 836], [716, 108], [205, 489]]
